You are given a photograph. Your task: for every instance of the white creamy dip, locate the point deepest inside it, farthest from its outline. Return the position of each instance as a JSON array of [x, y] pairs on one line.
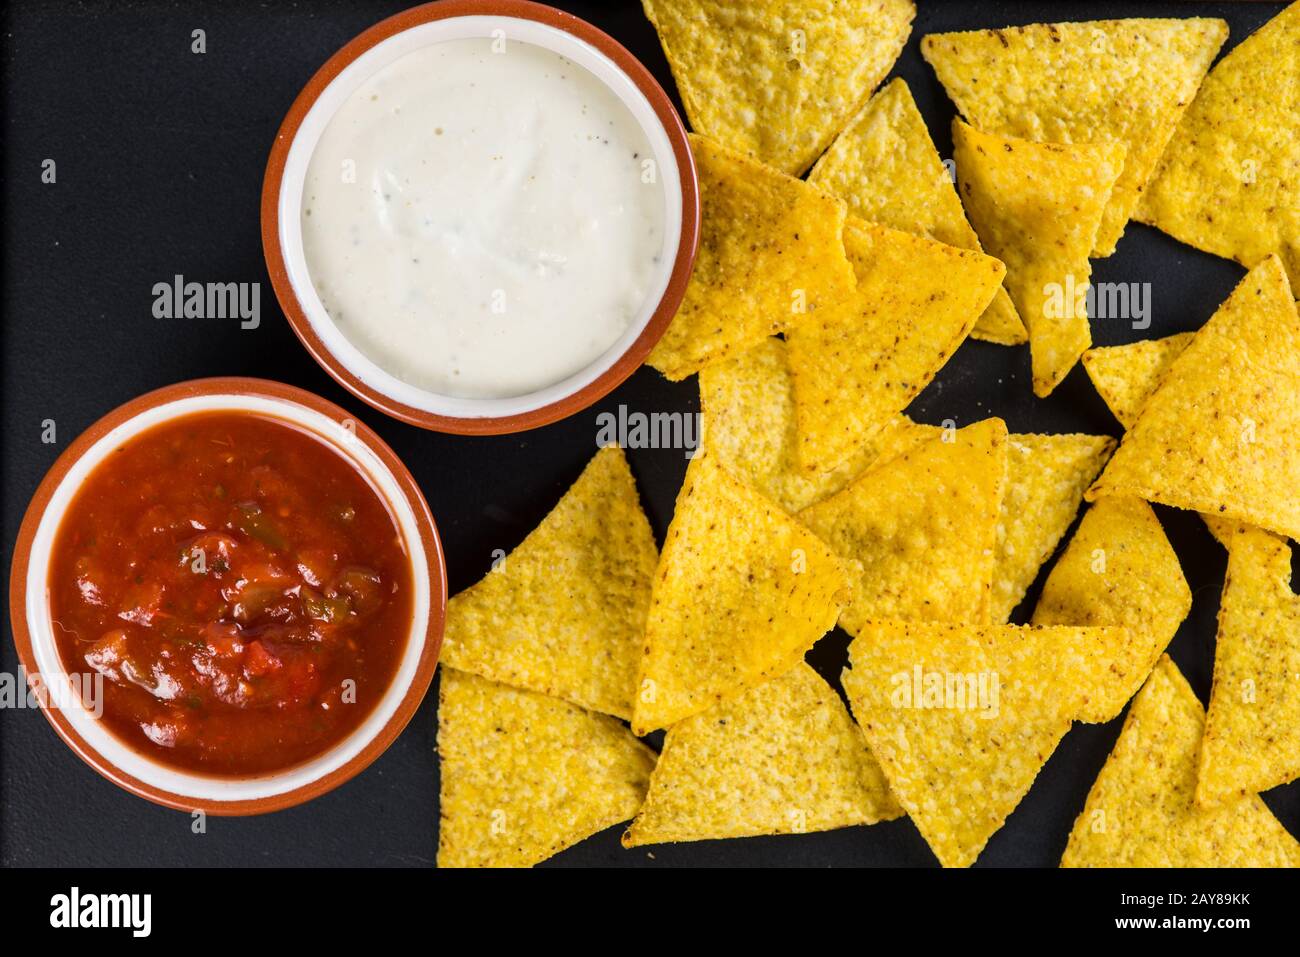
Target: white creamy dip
[[483, 224]]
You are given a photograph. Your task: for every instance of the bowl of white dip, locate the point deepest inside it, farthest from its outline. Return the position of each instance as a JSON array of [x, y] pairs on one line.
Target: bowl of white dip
[[479, 216]]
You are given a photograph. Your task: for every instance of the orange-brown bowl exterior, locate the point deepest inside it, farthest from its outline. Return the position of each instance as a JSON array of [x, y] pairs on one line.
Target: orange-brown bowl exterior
[[636, 354], [437, 575]]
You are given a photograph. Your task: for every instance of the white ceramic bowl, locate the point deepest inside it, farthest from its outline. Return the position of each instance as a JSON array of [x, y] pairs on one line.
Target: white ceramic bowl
[[135, 770], [369, 53]]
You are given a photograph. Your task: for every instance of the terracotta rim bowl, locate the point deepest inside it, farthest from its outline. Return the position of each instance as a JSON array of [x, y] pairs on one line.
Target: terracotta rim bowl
[[374, 49], [135, 770]]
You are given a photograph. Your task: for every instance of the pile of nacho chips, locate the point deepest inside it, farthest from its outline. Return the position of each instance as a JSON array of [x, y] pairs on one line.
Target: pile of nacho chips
[[841, 264]]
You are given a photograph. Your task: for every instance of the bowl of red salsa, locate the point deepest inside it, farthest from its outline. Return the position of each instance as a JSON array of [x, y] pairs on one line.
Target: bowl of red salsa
[[228, 595]]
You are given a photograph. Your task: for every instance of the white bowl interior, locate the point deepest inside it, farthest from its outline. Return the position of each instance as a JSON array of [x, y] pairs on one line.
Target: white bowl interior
[[364, 67], [114, 750]]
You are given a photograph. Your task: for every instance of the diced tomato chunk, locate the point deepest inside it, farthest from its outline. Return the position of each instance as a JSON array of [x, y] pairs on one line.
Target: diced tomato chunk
[[258, 661], [107, 655], [316, 566], [301, 679], [223, 639], [168, 730], [90, 579], [142, 602]]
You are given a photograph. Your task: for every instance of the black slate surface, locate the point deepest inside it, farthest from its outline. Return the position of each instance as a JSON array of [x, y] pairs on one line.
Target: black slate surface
[[160, 156]]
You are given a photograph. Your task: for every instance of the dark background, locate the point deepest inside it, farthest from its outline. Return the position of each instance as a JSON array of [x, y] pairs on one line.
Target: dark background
[[160, 156]]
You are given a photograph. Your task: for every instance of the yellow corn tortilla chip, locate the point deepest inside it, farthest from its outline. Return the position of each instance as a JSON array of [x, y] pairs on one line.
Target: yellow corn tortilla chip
[[1223, 529], [1228, 180], [782, 758], [564, 612], [1046, 478], [858, 364], [1119, 569], [923, 526], [1140, 811], [1036, 206], [1106, 81], [1252, 731], [962, 717], [1126, 376], [1219, 435], [885, 166], [741, 593], [526, 775], [748, 410], [770, 252], [778, 78]]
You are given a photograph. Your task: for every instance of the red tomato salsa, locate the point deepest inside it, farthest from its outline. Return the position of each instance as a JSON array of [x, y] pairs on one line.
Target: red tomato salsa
[[242, 588]]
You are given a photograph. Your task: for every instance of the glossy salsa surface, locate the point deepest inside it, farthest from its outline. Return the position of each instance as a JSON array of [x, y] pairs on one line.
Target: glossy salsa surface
[[241, 587]]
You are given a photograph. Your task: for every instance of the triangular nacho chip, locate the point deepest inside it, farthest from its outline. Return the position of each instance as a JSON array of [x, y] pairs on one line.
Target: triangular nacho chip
[[923, 527], [781, 758], [778, 78], [1107, 81], [1219, 435], [1140, 811], [1228, 180], [770, 252], [1119, 569], [564, 613], [961, 718], [1252, 732], [741, 593], [748, 409], [1046, 478], [1036, 206], [525, 775], [1223, 529], [885, 166], [858, 364], [1126, 376]]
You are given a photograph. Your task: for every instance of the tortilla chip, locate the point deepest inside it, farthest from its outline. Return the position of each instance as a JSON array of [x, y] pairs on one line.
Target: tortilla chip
[[1119, 569], [924, 528], [858, 364], [1108, 81], [1228, 180], [782, 758], [1219, 436], [741, 592], [885, 166], [960, 756], [1252, 733], [525, 775], [770, 252], [1046, 479], [1140, 811], [564, 613], [1126, 376], [748, 410], [1036, 206], [778, 78]]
